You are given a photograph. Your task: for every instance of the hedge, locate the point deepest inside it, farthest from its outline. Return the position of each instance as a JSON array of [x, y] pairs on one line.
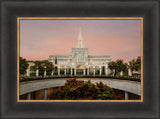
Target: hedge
[[24, 79]]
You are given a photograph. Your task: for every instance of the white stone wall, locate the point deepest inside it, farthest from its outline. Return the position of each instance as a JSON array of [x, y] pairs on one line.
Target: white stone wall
[[129, 86], [88, 60]]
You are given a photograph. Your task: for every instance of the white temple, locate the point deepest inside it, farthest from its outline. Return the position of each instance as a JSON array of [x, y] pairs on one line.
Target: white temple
[[80, 62]]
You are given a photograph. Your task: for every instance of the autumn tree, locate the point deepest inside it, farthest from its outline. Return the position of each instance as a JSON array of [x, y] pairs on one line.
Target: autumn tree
[[75, 89]]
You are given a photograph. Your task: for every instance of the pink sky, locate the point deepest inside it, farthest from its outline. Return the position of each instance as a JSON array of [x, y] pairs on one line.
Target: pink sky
[[118, 38]]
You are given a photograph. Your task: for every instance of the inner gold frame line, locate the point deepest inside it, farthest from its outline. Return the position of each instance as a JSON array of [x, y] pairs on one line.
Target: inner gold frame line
[[78, 18]]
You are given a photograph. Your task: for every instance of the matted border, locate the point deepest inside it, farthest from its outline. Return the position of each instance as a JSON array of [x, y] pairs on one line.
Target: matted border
[[11, 9], [79, 18]]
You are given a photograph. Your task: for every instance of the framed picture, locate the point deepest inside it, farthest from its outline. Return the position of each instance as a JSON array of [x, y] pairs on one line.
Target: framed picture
[[83, 59], [80, 76]]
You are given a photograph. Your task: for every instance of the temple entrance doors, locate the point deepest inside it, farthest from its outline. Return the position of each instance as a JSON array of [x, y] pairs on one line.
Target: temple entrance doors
[[79, 70]]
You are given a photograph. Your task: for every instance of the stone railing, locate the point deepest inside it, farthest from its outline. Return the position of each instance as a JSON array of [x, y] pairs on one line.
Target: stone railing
[[124, 85]]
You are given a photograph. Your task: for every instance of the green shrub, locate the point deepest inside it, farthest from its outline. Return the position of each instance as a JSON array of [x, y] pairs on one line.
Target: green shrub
[[32, 74]]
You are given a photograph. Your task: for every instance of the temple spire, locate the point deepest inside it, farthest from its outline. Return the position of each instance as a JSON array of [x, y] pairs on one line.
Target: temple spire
[[80, 44]]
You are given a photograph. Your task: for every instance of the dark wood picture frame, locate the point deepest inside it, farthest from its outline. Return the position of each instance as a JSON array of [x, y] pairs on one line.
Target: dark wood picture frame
[[11, 9]]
